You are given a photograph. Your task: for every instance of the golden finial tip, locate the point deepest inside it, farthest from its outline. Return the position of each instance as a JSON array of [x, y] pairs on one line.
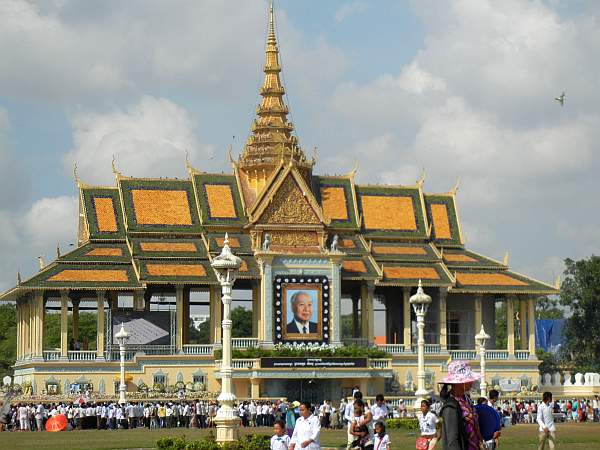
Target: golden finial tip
[[454, 189]]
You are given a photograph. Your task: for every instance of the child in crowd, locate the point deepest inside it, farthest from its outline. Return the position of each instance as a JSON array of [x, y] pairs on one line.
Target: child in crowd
[[427, 424], [280, 440], [363, 439], [382, 439]]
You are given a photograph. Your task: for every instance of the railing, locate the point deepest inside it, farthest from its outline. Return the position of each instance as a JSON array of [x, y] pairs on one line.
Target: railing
[[392, 349], [463, 354], [152, 349], [244, 342], [198, 349], [522, 354], [242, 363], [82, 355], [51, 355], [496, 354], [380, 363], [115, 355], [430, 349], [360, 342]]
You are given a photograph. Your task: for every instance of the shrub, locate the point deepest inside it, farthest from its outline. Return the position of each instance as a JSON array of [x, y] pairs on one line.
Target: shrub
[[254, 442], [164, 443], [404, 423]]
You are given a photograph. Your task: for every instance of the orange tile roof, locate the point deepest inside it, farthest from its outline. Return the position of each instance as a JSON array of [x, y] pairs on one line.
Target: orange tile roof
[[488, 279], [91, 275], [348, 243], [354, 266], [220, 200], [441, 224], [233, 242], [399, 250], [105, 214], [333, 199], [161, 207], [412, 273], [168, 247], [176, 270], [105, 251], [388, 213], [457, 257]]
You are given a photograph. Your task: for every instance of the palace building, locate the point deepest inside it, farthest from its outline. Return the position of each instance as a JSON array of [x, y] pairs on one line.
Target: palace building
[[325, 260]]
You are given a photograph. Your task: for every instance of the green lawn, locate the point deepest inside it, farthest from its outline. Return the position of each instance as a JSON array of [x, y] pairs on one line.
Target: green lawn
[[570, 436]]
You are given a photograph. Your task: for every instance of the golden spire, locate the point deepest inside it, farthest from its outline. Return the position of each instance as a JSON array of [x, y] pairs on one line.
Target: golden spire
[[271, 140]]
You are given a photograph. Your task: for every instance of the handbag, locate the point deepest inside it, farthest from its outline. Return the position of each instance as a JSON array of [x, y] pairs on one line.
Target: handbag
[[422, 443]]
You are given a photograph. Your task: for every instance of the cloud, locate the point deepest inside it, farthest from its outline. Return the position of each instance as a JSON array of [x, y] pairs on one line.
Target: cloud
[[476, 102], [147, 139], [350, 9]]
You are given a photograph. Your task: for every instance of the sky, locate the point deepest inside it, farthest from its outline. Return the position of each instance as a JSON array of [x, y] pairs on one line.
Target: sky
[[462, 89]]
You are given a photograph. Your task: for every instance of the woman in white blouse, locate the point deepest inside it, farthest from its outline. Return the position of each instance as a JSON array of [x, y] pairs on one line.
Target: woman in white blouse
[[307, 430]]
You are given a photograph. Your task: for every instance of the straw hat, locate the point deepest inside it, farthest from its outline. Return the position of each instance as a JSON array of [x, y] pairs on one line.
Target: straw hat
[[460, 372]]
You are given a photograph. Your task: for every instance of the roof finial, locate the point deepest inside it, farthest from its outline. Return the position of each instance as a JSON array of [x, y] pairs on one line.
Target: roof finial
[[557, 282], [422, 179], [58, 250], [271, 38], [188, 166], [352, 173], [18, 277], [454, 189], [75, 174], [41, 262], [505, 260], [114, 166]]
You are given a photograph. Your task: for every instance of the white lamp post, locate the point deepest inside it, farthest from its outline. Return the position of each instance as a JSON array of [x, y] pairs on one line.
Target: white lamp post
[[226, 266], [122, 338], [481, 338], [420, 303]]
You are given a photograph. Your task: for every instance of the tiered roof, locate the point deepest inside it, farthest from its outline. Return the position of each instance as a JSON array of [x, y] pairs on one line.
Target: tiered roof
[[142, 231]]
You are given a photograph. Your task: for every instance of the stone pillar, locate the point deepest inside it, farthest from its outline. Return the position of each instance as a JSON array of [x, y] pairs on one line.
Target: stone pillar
[[75, 318], [355, 332], [39, 310], [64, 324], [531, 320], [25, 311], [255, 387], [100, 295], [215, 314], [510, 326], [407, 321], [335, 302], [478, 316], [367, 291], [523, 322], [139, 303], [266, 301], [443, 319], [257, 326], [179, 307]]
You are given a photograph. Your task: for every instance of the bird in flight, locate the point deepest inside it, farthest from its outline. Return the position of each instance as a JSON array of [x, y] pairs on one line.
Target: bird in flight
[[561, 99]]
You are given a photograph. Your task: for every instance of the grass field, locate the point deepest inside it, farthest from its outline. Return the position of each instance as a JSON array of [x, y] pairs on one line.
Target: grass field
[[570, 436]]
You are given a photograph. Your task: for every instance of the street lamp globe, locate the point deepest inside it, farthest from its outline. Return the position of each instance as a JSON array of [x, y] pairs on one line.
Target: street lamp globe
[[420, 301], [482, 337], [122, 336], [226, 264]]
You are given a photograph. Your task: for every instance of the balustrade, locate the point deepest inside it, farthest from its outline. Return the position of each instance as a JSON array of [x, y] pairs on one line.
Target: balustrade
[[244, 342], [463, 354], [198, 349], [496, 354], [51, 355], [82, 355]]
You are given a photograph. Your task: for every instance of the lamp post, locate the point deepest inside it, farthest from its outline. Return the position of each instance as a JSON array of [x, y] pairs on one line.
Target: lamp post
[[420, 303], [226, 266], [122, 338], [481, 338]]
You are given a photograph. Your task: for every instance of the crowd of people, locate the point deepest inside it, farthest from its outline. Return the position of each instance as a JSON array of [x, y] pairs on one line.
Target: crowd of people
[[461, 423]]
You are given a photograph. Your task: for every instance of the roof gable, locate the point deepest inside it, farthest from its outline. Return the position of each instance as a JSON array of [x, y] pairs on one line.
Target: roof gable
[[103, 213], [336, 197], [442, 214], [219, 199]]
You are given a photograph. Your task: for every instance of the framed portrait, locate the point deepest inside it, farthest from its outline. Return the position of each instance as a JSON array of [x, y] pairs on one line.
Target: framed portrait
[[301, 309]]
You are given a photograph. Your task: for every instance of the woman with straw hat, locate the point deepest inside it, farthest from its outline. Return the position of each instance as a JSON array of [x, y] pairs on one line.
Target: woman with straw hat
[[460, 426]]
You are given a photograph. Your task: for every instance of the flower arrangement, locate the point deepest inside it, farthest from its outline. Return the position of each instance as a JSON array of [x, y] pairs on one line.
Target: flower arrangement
[[305, 349]]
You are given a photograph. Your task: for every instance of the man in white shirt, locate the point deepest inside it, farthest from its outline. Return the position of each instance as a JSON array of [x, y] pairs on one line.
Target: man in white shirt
[[379, 409], [545, 419], [307, 430], [39, 417]]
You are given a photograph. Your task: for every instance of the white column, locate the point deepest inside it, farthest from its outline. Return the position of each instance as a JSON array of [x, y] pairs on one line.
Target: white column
[[25, 311], [64, 324], [531, 320], [407, 321], [179, 318], [266, 300], [19, 331], [510, 326], [443, 319], [100, 295], [38, 302], [523, 322], [257, 318], [335, 302], [478, 316]]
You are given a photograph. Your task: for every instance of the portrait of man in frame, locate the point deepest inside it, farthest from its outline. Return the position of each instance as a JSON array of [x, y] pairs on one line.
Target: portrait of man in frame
[[302, 311]]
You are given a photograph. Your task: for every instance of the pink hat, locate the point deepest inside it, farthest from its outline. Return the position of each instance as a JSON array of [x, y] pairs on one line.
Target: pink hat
[[459, 372]]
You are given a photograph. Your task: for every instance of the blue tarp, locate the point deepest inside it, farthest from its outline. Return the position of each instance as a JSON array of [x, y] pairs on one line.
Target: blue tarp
[[548, 334]]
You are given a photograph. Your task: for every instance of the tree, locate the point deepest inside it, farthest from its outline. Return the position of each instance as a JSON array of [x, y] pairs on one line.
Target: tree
[[580, 292], [242, 322], [8, 338]]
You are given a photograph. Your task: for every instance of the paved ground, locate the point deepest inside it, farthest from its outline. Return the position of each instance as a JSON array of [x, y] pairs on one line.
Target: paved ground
[[570, 436]]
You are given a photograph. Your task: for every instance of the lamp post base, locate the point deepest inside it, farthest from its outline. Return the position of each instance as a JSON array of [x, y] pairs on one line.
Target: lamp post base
[[227, 429]]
